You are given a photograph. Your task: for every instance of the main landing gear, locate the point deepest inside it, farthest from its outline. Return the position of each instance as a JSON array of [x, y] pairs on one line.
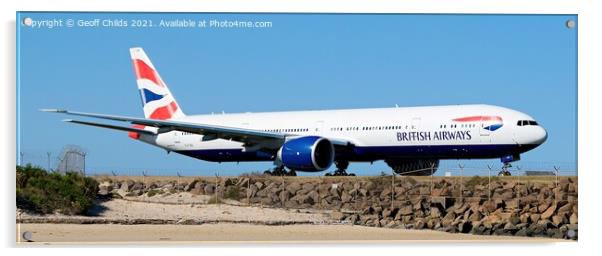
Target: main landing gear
[[280, 171], [341, 169], [504, 171]]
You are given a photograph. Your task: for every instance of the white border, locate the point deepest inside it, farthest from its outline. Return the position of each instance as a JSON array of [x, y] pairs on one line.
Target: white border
[[588, 74]]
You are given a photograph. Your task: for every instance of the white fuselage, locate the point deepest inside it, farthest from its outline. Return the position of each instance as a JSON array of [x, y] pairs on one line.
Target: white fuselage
[[463, 129]]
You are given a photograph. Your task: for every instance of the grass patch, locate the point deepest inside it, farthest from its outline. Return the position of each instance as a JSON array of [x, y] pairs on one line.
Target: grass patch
[[232, 192], [477, 180], [43, 192], [154, 192]]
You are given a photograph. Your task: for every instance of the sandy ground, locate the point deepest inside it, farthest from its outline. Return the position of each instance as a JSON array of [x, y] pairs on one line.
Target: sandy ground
[[212, 233], [123, 209], [321, 229]]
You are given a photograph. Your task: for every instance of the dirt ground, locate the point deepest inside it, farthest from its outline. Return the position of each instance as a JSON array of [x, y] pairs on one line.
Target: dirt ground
[[243, 233]]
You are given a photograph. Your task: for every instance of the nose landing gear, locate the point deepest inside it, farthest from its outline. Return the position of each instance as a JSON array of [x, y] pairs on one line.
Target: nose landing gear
[[504, 171]]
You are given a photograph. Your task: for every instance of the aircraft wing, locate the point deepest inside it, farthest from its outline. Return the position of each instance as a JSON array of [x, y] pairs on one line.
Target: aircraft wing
[[248, 136]]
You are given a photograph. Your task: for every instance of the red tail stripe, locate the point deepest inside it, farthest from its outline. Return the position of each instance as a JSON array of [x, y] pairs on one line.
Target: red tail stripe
[[478, 118], [144, 71], [165, 112]]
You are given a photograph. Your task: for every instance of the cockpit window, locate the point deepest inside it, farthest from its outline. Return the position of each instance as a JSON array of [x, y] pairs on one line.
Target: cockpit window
[[526, 122]]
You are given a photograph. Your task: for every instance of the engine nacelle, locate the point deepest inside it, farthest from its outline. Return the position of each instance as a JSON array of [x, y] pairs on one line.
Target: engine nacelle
[[310, 153], [413, 167]]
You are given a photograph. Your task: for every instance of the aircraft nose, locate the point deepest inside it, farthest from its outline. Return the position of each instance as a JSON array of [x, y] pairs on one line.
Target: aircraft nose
[[541, 135]]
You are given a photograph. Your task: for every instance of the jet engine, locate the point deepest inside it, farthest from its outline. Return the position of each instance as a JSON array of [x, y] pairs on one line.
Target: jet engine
[[413, 167], [310, 153]]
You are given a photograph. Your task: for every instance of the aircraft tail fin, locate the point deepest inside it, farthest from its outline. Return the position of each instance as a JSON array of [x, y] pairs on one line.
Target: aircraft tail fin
[[157, 101]]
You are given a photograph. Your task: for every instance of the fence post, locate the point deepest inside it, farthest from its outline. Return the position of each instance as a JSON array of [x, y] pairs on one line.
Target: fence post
[[556, 168], [283, 188], [518, 176], [144, 184], [249, 189], [392, 189], [215, 191], [489, 187], [432, 166], [461, 181]]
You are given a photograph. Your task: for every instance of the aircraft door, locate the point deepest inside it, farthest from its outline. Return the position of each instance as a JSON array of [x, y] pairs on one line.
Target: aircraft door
[[319, 127], [485, 133]]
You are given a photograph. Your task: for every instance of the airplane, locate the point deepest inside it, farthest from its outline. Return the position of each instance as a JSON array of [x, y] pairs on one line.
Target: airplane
[[411, 140]]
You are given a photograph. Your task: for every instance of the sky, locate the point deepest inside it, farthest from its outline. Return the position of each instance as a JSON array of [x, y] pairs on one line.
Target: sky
[[301, 62]]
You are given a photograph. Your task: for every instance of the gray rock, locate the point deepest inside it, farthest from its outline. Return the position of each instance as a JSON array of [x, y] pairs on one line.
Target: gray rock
[[406, 210], [209, 189], [308, 186], [137, 186], [127, 185], [293, 187]]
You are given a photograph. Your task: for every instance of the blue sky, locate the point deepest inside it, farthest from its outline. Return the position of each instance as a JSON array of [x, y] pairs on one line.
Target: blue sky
[[304, 61]]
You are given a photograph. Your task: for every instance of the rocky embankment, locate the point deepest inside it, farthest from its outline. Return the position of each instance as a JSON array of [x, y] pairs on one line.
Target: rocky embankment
[[507, 206]]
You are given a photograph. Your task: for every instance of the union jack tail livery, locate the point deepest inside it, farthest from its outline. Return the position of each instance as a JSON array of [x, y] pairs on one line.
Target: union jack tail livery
[[157, 100]]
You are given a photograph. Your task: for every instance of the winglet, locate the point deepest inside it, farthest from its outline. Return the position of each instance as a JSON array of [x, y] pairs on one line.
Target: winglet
[[53, 110]]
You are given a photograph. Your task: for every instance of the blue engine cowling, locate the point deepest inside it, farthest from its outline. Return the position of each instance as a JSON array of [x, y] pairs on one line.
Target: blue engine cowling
[[310, 153]]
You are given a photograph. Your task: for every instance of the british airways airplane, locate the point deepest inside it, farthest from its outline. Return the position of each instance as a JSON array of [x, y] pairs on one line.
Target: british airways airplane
[[411, 140]]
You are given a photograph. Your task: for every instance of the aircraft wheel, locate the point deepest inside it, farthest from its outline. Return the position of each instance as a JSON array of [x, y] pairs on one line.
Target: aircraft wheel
[[291, 173]]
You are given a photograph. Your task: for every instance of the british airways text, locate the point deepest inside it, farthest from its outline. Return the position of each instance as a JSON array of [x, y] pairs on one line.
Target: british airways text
[[439, 135]]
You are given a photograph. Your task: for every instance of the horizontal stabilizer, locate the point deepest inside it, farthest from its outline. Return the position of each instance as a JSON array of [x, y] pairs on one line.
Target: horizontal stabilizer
[[114, 127]]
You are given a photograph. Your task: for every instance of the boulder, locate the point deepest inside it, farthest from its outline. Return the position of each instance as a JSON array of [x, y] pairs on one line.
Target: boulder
[[524, 218], [209, 189], [549, 212], [345, 197], [363, 192], [544, 205], [228, 182], [137, 186], [566, 208], [573, 218], [293, 187], [127, 185], [448, 219], [366, 218], [405, 210], [369, 186], [266, 201], [435, 212], [243, 182], [284, 195], [260, 185], [557, 220], [511, 204], [308, 186], [535, 217], [387, 212], [475, 216]]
